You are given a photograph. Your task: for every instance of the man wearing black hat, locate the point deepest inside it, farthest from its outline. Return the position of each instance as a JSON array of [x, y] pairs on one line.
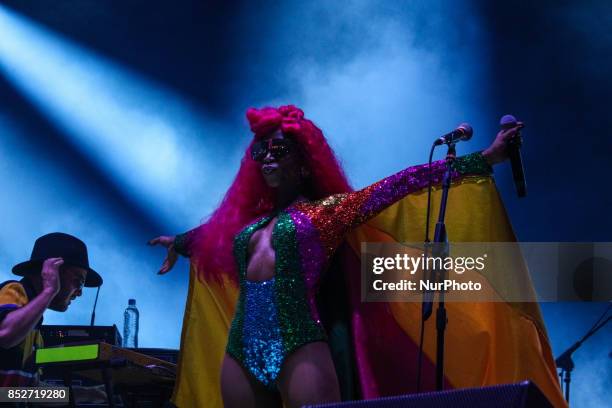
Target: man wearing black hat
[[54, 276]]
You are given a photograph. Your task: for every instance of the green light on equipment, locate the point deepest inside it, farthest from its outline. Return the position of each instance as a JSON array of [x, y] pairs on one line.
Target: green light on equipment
[[68, 353]]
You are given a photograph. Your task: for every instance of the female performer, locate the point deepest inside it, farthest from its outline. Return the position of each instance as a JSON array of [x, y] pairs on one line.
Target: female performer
[[274, 233]]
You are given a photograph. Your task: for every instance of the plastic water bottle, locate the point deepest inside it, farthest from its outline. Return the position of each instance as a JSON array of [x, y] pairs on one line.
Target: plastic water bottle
[[130, 325]]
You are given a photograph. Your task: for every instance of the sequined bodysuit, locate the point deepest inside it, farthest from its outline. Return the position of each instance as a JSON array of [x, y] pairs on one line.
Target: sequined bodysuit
[[275, 317]]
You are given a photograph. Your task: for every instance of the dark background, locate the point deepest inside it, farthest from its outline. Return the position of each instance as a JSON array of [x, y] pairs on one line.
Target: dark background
[[407, 71]]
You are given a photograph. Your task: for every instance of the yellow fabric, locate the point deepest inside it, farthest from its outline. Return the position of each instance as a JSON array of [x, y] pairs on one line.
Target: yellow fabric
[[208, 315], [475, 213], [14, 294], [486, 343]]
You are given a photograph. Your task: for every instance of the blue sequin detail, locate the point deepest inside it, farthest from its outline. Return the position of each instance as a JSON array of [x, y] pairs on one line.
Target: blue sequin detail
[[262, 342]]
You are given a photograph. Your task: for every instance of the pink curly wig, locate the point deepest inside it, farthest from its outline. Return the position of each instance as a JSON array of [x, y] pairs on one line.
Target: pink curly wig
[[249, 197]]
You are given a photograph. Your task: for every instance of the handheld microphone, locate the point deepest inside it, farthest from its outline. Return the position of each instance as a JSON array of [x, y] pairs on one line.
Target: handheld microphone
[[516, 160], [462, 132]]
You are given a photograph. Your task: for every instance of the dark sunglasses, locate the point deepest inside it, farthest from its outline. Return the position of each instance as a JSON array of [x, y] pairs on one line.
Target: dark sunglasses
[[278, 148]]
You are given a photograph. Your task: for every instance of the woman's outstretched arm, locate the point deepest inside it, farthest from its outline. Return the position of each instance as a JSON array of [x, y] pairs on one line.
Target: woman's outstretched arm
[[352, 209], [176, 245], [357, 207]]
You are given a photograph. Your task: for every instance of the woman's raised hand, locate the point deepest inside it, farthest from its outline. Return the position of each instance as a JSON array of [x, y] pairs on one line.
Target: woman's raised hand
[[171, 257], [498, 151]]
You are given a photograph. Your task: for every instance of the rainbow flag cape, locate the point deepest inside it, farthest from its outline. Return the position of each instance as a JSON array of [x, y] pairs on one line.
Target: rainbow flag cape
[[487, 343]]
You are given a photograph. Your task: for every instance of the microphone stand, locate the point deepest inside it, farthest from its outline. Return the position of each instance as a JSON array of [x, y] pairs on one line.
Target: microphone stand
[[440, 249], [93, 312], [565, 362]]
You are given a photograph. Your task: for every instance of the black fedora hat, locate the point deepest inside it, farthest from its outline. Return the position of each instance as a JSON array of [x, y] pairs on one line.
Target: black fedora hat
[[59, 245]]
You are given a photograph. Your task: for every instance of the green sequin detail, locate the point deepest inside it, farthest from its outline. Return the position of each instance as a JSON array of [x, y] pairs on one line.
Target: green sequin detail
[[296, 324], [473, 163]]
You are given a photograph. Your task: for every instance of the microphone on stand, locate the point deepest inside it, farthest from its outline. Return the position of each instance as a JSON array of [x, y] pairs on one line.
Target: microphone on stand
[[516, 160], [461, 133]]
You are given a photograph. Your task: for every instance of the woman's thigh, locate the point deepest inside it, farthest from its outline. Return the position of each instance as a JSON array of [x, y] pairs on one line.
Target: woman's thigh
[[239, 389], [308, 376]]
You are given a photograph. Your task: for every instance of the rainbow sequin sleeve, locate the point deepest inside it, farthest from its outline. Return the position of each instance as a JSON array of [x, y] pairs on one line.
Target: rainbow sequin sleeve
[[354, 208]]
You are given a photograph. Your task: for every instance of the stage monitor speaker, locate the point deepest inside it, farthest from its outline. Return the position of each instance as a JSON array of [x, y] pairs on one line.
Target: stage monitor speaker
[[520, 395]]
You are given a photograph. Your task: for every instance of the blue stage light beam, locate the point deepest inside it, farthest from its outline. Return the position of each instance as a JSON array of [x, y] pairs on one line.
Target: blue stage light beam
[[40, 197], [147, 138]]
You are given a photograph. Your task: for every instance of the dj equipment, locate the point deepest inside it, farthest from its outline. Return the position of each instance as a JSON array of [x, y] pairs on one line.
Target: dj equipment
[[55, 335], [135, 376], [169, 355], [520, 395]]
